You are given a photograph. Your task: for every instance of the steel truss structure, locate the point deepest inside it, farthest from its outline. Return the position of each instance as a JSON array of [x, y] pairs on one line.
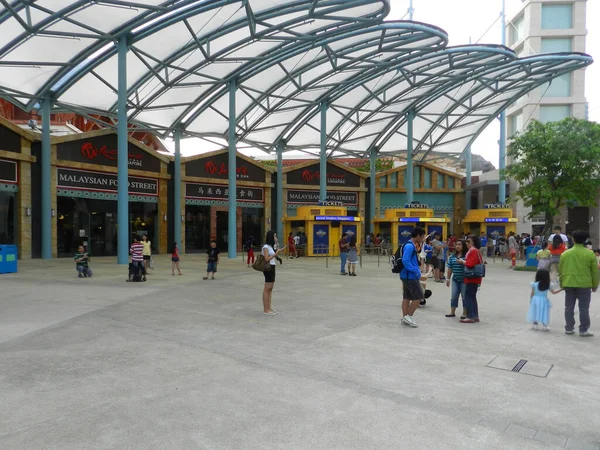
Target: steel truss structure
[[327, 77]]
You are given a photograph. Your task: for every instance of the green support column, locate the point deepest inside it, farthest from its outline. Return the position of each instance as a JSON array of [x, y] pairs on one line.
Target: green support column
[[279, 215], [410, 189], [177, 189], [46, 184], [323, 168], [468, 164], [122, 158], [372, 189], [232, 219], [502, 142]]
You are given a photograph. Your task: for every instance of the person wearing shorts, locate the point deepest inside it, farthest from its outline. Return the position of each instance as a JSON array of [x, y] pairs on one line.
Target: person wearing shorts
[[212, 260], [411, 276], [270, 255]]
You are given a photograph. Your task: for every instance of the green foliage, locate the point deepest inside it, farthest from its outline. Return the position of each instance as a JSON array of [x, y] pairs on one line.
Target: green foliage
[[380, 166], [555, 164]]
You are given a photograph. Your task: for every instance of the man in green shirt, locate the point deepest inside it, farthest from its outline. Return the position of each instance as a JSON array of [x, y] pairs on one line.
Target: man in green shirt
[[81, 263], [578, 271]]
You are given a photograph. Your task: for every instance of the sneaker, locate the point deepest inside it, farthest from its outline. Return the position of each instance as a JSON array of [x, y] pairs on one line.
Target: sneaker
[[545, 328], [587, 333], [410, 321], [343, 273], [80, 275], [403, 321], [569, 331], [535, 327], [270, 313]]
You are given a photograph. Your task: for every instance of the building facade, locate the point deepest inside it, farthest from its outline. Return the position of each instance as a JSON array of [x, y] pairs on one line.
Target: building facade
[[550, 26]]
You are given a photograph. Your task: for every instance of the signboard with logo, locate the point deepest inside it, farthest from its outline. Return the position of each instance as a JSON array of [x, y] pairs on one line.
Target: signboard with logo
[[103, 182], [312, 198], [8, 171], [422, 219], [311, 176], [9, 140], [337, 219], [102, 150], [416, 206], [496, 206], [500, 220], [218, 167], [221, 192]]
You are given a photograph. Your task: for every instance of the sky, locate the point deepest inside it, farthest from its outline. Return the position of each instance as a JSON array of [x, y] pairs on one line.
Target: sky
[[473, 21]]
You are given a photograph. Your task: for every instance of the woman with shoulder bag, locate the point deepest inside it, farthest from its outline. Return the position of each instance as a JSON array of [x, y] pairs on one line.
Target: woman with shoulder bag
[[472, 276], [270, 256]]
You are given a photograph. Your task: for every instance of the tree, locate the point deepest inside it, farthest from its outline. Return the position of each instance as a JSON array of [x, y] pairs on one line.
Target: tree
[[555, 164], [380, 165]]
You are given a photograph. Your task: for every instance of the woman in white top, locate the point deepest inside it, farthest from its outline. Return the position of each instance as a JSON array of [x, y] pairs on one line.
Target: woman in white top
[[270, 256]]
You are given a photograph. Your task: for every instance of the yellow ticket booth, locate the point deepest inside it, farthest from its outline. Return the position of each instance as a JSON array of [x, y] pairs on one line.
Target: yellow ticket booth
[[399, 223], [324, 227], [495, 219]]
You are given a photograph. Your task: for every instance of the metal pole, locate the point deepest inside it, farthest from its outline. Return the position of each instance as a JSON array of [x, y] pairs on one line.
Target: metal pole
[[279, 216], [232, 224], [502, 142], [46, 185], [123, 158], [409, 159], [468, 164], [177, 189], [372, 190], [323, 168], [411, 11]]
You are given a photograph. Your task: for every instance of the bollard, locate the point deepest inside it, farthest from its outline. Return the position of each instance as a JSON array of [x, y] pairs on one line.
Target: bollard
[[327, 261], [378, 256], [360, 260]]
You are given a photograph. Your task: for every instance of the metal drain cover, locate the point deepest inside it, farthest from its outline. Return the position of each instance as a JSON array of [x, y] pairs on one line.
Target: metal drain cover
[[521, 366]]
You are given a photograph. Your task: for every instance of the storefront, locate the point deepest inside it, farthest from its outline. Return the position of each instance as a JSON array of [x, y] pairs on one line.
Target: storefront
[[436, 188], [205, 184], [399, 223], [85, 208], [494, 220], [15, 187], [346, 188]]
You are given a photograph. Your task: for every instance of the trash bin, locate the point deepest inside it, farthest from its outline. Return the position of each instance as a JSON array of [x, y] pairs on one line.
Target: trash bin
[[530, 255], [8, 259]]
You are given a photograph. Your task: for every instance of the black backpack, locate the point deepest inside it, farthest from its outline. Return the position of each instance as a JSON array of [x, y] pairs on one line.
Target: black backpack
[[396, 259]]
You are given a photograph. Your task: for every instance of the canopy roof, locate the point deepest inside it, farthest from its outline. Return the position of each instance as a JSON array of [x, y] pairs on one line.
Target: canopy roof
[[289, 59]]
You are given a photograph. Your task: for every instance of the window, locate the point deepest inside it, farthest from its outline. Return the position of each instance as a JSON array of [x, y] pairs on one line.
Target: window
[[393, 180], [450, 183], [556, 45], [516, 123], [417, 177], [554, 113], [557, 17], [560, 87], [383, 182], [440, 180], [516, 30], [427, 179]]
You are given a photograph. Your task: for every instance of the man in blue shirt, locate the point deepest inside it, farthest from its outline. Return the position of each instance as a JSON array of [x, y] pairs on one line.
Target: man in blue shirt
[[411, 277], [483, 249]]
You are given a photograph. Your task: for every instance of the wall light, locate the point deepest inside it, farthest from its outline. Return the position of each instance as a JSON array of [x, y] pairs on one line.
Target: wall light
[[28, 211], [53, 213], [165, 218], [182, 218]]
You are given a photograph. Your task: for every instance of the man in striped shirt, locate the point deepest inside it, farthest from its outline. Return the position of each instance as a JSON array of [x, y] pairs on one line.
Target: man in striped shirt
[[137, 259], [456, 269]]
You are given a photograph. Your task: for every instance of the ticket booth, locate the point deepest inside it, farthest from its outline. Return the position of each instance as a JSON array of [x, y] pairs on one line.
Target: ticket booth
[[324, 227], [400, 222], [493, 220]]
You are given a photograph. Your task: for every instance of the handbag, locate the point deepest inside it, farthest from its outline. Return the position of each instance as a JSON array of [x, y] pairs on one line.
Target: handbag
[[261, 265], [477, 271]]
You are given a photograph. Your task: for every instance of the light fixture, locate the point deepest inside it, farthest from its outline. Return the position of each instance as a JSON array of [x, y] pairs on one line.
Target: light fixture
[[53, 212], [165, 218], [182, 218], [28, 211]]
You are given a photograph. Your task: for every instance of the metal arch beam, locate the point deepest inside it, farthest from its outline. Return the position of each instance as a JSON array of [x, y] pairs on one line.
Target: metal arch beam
[[300, 41], [502, 105], [255, 71], [469, 69], [509, 70]]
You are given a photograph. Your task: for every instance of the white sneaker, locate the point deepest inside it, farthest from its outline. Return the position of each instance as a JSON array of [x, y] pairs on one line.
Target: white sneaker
[[535, 327], [545, 328], [403, 321], [587, 333], [410, 321]]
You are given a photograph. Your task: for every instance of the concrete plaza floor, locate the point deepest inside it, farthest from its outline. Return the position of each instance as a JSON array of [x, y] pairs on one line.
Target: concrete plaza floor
[[181, 363]]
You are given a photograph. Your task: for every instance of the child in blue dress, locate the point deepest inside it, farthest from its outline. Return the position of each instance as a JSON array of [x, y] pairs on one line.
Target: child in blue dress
[[539, 304]]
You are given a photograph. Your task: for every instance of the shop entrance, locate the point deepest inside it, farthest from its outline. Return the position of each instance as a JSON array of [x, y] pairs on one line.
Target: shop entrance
[[93, 224], [222, 229], [197, 228]]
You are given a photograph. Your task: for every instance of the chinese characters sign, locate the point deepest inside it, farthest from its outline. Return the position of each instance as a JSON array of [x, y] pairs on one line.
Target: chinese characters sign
[[311, 176], [217, 166], [221, 192], [102, 150]]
